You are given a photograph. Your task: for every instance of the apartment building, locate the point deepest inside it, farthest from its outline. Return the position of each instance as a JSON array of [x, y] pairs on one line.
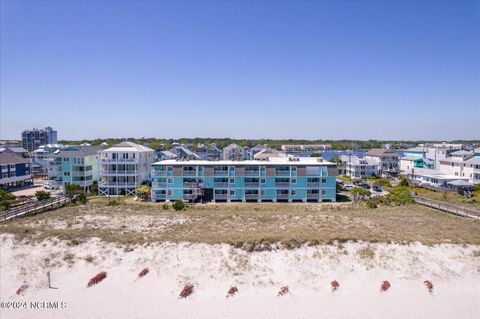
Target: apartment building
[[74, 165], [388, 160], [123, 167], [234, 152], [278, 179], [14, 170], [456, 164], [32, 139], [357, 167]]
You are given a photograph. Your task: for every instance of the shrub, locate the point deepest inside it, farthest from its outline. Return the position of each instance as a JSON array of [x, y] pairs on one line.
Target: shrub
[[357, 190], [383, 182], [399, 195], [42, 195], [76, 193], [178, 205], [403, 182], [143, 191], [165, 206], [112, 202], [371, 203]]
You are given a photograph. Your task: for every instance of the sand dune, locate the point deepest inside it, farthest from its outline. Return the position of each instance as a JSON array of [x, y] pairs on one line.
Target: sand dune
[[213, 269]]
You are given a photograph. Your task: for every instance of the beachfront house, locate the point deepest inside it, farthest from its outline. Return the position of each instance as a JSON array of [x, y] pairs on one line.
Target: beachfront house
[[276, 179], [14, 170], [123, 167], [357, 167], [388, 160], [74, 165]]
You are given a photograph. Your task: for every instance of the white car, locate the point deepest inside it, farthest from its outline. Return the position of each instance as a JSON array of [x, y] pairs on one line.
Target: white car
[[48, 186]]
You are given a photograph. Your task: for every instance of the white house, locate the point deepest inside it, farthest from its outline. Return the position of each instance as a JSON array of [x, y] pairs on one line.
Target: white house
[[357, 167], [388, 160], [123, 167]]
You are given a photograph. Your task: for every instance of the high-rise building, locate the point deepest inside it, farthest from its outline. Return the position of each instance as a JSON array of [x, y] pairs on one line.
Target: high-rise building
[[32, 139]]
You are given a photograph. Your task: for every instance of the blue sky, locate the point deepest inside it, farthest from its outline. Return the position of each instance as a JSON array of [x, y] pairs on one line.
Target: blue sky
[[355, 70]]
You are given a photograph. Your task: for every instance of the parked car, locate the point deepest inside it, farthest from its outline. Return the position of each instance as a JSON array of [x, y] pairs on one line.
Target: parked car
[[48, 186], [348, 187], [377, 188], [364, 185]]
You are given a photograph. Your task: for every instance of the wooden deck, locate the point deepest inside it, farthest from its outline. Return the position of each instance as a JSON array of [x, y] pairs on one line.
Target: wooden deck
[[447, 207], [35, 207]]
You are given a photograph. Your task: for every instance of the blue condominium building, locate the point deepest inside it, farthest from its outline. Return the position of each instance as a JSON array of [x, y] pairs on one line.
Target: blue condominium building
[[273, 180]]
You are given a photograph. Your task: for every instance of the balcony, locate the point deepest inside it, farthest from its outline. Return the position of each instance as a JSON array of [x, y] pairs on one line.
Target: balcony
[[282, 173], [282, 184], [81, 173], [190, 184], [220, 173], [159, 173], [313, 196], [313, 184], [189, 173], [252, 184], [118, 160], [282, 196], [159, 185], [220, 185], [249, 172], [118, 172], [117, 184], [252, 196], [220, 196]]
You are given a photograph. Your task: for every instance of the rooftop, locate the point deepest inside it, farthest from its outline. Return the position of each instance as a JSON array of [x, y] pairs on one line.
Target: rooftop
[[11, 158], [382, 152], [271, 161], [128, 147]]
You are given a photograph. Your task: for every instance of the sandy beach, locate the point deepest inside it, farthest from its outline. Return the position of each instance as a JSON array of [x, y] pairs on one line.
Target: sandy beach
[[360, 269]]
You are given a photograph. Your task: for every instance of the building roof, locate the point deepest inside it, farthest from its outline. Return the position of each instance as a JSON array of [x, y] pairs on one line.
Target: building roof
[[232, 146], [473, 160], [415, 149], [267, 153], [460, 183], [128, 147], [168, 153], [462, 152], [11, 158], [78, 151], [272, 161], [14, 149], [381, 152]]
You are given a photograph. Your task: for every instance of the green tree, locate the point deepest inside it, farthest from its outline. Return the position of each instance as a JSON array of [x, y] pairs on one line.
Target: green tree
[[75, 193], [143, 191], [42, 195]]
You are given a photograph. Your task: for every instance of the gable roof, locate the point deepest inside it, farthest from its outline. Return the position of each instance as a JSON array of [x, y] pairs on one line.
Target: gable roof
[[382, 152], [12, 158]]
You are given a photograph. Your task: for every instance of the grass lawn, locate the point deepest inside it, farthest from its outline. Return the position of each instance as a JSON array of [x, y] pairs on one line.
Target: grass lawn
[[247, 225]]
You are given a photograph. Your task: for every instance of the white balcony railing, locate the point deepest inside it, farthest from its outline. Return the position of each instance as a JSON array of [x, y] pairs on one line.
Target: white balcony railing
[[119, 160], [117, 184]]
